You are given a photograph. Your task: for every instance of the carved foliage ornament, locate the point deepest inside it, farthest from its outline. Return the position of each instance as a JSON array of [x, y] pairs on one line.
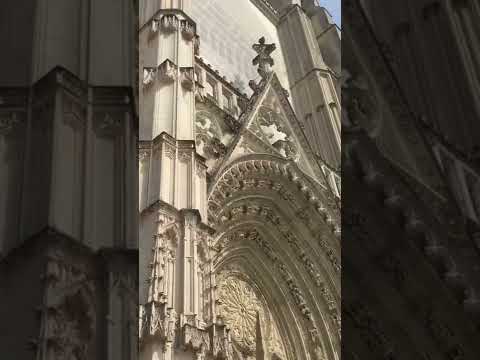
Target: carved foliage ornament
[[167, 71], [274, 130], [169, 23], [69, 318], [188, 29], [155, 319], [187, 77], [253, 168]]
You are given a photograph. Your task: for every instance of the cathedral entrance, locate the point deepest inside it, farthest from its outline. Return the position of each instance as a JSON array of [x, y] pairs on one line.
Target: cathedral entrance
[[274, 266], [239, 215]]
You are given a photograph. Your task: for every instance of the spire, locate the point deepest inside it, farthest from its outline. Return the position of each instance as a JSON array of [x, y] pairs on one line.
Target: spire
[[260, 352]]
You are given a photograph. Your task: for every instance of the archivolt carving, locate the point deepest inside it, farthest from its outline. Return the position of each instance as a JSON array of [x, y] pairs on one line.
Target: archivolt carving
[[296, 293], [244, 173], [269, 180], [268, 215]]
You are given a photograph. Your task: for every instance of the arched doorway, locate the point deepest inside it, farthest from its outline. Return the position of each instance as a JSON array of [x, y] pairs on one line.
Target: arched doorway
[[276, 255]]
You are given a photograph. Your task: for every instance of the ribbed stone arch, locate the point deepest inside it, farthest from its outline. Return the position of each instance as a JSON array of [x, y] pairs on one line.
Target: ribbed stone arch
[[256, 273], [255, 257], [314, 192], [280, 226], [290, 233]]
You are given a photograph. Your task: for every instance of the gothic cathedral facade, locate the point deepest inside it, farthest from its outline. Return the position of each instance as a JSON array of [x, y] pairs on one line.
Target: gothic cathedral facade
[[239, 189]]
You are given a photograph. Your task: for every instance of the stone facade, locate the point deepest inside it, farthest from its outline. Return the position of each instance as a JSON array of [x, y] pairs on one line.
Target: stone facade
[[238, 198], [68, 220], [411, 265]]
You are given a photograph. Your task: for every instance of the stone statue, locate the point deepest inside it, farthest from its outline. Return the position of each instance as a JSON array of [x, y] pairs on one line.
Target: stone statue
[[263, 59]]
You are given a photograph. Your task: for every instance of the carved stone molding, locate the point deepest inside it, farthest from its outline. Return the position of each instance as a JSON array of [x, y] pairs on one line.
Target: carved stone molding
[[13, 109], [143, 155], [154, 26], [74, 112], [169, 23], [295, 291], [275, 130], [196, 339], [200, 169], [187, 78], [68, 313], [220, 342], [188, 29], [156, 320], [269, 216], [149, 76], [169, 150], [253, 168], [167, 71], [184, 156], [109, 124]]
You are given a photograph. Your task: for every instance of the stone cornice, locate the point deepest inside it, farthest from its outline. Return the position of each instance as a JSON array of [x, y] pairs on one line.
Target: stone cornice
[[268, 10], [164, 12], [100, 97], [50, 237], [167, 138], [177, 213]]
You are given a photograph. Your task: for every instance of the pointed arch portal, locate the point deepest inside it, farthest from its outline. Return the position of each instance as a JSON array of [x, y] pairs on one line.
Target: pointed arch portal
[[276, 252]]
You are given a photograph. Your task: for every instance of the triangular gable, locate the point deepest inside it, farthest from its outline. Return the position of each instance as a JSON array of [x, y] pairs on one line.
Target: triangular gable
[[270, 126]]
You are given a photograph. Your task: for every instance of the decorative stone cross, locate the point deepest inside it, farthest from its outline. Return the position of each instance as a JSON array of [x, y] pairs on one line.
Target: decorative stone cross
[[263, 59]]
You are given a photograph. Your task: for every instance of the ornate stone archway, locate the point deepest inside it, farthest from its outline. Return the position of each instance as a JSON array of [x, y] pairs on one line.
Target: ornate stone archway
[[277, 240]]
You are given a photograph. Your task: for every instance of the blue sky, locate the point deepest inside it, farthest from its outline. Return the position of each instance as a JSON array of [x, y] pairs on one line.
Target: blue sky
[[334, 7]]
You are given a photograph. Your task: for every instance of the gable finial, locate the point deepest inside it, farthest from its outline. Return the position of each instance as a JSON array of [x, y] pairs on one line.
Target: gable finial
[[263, 59]]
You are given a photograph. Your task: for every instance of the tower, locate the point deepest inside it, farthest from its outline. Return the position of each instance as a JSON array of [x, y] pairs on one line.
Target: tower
[[68, 139], [173, 229]]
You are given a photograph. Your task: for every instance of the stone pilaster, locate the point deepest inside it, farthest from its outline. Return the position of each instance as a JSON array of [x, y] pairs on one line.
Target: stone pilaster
[[312, 84], [167, 80], [176, 317]]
